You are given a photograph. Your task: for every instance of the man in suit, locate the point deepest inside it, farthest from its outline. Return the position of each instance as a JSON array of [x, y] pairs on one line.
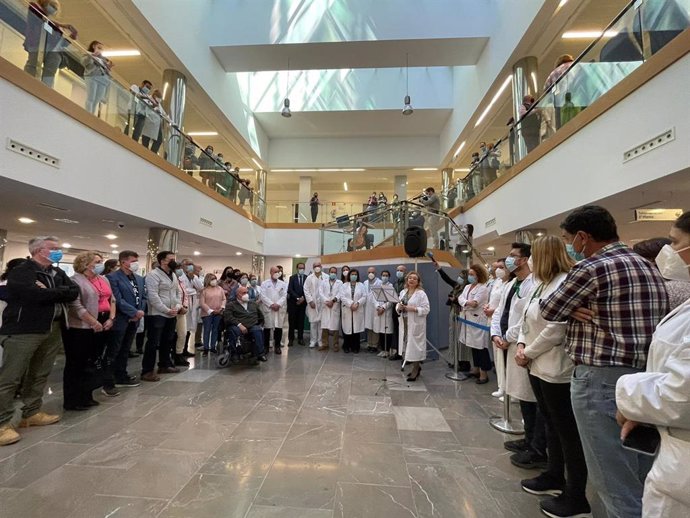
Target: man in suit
[[243, 316], [130, 299], [296, 305]]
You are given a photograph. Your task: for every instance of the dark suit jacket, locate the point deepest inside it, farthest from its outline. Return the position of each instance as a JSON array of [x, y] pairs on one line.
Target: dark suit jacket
[[236, 314], [125, 299], [295, 291]]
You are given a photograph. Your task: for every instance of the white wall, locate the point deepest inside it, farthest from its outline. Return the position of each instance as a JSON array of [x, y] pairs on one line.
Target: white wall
[[589, 165], [291, 242], [97, 169]]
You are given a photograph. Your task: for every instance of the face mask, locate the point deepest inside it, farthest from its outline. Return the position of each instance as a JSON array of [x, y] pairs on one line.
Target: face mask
[[245, 297], [301, 271], [145, 90], [213, 283], [190, 268], [371, 276], [576, 256], [317, 269], [172, 265], [472, 279], [511, 263], [384, 279], [332, 276], [179, 272], [244, 281], [530, 264], [500, 273], [99, 268], [51, 10], [134, 266], [353, 277], [55, 256], [460, 280], [253, 282], [671, 264], [345, 272], [400, 274], [276, 276]]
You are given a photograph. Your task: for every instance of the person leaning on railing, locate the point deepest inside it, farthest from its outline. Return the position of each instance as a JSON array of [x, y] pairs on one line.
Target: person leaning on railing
[[96, 75]]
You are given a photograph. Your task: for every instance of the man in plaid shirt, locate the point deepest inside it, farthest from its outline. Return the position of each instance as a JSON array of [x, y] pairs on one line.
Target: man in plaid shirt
[[612, 299]]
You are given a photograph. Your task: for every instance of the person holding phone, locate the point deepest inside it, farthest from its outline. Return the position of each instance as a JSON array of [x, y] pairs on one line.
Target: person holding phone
[[660, 396]]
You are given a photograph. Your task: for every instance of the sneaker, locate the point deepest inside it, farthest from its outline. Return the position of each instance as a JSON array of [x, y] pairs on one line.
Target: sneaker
[[564, 507], [312, 346], [39, 419], [542, 485], [497, 393], [129, 382], [516, 446], [501, 399], [110, 391], [529, 460], [8, 435]]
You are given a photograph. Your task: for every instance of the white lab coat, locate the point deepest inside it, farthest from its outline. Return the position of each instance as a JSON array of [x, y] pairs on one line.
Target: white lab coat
[[661, 396], [471, 335], [382, 323], [543, 339], [414, 349], [312, 293], [353, 322], [517, 381], [371, 303], [192, 288], [273, 292], [330, 317]]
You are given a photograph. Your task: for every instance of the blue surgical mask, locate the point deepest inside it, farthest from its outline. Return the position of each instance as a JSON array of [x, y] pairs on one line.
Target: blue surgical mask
[[353, 277], [511, 263], [55, 256], [301, 271], [190, 268], [253, 282], [244, 281], [384, 279], [472, 279], [179, 272], [576, 256], [332, 276], [399, 274], [99, 268], [145, 90]]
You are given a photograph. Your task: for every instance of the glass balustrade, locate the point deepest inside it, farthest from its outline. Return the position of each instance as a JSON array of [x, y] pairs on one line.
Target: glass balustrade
[[45, 49], [641, 29]]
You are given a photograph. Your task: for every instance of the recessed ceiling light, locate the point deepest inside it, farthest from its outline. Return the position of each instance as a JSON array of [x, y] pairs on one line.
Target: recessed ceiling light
[[202, 133], [238, 253], [123, 53], [577, 35], [110, 236], [491, 248], [196, 252], [462, 145], [494, 99], [26, 220], [256, 162], [113, 245], [66, 245], [345, 186], [298, 255], [116, 251], [462, 170], [65, 220], [425, 169], [561, 3]]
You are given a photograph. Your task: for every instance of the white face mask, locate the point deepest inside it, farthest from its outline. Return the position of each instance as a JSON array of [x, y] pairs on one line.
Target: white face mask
[[134, 266], [245, 297], [276, 276], [671, 264], [500, 273], [371, 276], [213, 283], [317, 269]]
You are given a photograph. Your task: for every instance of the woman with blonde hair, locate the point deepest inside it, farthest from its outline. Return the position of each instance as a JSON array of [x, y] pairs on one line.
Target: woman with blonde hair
[[212, 304], [90, 318], [474, 330], [540, 349], [412, 310]]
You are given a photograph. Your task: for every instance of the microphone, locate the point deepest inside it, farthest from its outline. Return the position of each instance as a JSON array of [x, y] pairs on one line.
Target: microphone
[[430, 255]]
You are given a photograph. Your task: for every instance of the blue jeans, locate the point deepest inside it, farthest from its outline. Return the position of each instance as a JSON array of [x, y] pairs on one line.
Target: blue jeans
[[255, 331], [617, 474], [210, 326]]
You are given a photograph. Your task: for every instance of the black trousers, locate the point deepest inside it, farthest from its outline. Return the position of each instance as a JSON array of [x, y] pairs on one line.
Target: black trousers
[[139, 121], [351, 342], [160, 338], [296, 315], [481, 359], [277, 337], [82, 348], [117, 354], [396, 330], [535, 427], [314, 213], [386, 341], [562, 438]]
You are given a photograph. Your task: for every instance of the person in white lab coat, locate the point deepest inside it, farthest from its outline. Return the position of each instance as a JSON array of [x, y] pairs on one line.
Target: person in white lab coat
[[412, 310], [274, 307], [353, 297], [312, 296], [383, 317], [540, 348], [496, 287], [474, 330], [661, 395], [330, 313], [370, 309]]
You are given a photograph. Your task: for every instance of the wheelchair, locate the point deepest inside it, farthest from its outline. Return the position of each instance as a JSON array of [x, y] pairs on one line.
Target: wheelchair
[[236, 353]]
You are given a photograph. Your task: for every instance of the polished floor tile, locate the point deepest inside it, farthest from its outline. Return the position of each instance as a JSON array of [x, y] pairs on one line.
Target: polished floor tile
[[420, 419], [370, 501]]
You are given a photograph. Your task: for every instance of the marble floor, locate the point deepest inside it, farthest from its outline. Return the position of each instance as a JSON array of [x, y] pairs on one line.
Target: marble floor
[[305, 435]]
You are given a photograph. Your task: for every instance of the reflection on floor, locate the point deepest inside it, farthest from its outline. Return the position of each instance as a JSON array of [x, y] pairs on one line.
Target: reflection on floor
[[306, 435]]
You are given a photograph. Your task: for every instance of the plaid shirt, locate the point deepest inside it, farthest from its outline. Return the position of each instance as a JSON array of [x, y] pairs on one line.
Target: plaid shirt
[[628, 298]]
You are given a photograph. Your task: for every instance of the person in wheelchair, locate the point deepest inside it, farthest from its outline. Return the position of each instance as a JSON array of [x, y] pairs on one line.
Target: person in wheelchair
[[243, 317]]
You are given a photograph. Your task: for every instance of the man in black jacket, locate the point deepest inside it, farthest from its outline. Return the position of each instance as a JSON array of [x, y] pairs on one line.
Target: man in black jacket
[[296, 305], [243, 316], [38, 294], [399, 283]]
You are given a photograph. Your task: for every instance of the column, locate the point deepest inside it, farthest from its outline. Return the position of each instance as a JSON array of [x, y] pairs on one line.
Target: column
[[260, 191], [400, 187], [174, 100], [258, 265], [524, 83], [3, 245], [447, 200], [159, 239], [302, 214]]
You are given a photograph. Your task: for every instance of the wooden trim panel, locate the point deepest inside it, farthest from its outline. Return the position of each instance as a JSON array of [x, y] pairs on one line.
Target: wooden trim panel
[[32, 86], [675, 50]]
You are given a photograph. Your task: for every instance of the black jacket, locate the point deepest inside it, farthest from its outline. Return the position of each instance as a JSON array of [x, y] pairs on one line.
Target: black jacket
[[30, 308], [295, 289]]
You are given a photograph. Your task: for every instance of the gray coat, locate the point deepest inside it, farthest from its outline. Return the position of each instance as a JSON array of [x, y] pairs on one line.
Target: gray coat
[[163, 293]]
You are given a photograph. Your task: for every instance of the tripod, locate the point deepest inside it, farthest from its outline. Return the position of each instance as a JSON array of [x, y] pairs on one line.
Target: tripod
[[385, 294]]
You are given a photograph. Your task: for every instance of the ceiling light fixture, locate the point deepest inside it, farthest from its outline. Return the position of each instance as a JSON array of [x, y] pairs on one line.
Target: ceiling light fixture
[[26, 220], [490, 248], [425, 169], [286, 102], [256, 162], [462, 170], [66, 245], [578, 35], [115, 251], [345, 186], [110, 236], [457, 151], [113, 245], [352, 170], [196, 252], [407, 108], [203, 133], [561, 4], [238, 253], [123, 53], [493, 101]]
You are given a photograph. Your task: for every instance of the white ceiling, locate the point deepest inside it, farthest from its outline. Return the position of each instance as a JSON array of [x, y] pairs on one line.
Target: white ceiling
[[364, 123], [351, 54]]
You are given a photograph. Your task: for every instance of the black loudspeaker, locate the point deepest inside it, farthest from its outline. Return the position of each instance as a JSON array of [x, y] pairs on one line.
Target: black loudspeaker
[[415, 241]]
